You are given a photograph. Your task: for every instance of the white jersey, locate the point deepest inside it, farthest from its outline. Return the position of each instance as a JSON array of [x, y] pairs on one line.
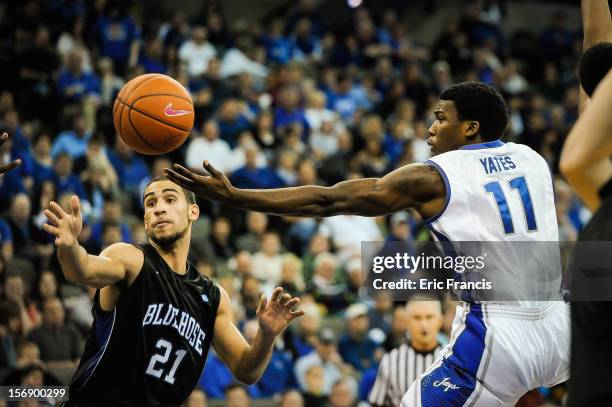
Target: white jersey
[[496, 191], [502, 192]]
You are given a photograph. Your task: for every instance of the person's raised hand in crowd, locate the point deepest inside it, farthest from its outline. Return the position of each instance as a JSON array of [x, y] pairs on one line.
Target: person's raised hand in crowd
[[12, 164]]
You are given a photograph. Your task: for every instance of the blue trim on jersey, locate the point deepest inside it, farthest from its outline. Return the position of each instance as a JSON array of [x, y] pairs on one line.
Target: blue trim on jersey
[[104, 322], [454, 381], [448, 191], [488, 144]]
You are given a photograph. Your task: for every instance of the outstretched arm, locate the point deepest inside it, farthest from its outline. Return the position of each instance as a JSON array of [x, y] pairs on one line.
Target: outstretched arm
[[409, 186], [597, 27], [248, 362], [585, 160], [114, 264]]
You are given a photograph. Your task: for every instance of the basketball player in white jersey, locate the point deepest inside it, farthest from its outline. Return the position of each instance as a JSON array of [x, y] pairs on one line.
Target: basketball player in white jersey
[[475, 188]]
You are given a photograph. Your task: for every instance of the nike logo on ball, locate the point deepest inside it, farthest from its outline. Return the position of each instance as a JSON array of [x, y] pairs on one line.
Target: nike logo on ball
[[170, 112]]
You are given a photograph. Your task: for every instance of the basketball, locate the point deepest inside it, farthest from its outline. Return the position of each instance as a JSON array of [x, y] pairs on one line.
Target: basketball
[[153, 114]]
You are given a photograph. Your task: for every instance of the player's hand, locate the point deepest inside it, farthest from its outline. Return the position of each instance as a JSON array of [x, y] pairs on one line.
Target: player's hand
[[66, 227], [11, 165], [215, 186], [274, 316]]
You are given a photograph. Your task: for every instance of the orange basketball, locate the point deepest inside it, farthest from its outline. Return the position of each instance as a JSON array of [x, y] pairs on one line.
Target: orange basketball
[[153, 114]]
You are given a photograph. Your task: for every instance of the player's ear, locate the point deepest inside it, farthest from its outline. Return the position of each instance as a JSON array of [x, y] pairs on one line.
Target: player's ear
[[471, 128], [194, 212]]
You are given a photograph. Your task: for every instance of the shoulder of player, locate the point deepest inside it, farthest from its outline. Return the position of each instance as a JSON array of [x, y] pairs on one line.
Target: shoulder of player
[[225, 303], [131, 257]]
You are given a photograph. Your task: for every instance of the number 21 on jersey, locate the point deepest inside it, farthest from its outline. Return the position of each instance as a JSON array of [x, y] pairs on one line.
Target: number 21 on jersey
[[162, 359], [520, 185]]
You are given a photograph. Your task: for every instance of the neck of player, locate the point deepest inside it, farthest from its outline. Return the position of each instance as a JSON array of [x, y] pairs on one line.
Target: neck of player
[[175, 256]]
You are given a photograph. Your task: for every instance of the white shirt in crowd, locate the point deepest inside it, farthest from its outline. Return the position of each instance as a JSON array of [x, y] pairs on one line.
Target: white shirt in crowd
[[217, 152], [197, 56], [349, 243]]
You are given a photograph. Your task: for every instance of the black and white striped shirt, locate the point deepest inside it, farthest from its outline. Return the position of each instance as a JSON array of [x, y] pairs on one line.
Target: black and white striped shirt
[[398, 369]]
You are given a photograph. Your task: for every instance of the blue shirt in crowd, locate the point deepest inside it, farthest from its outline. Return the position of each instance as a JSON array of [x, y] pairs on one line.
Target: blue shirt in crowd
[[68, 142], [258, 178], [115, 36], [85, 84]]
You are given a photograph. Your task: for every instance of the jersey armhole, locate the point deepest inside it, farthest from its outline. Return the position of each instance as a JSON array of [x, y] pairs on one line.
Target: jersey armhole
[[434, 218]]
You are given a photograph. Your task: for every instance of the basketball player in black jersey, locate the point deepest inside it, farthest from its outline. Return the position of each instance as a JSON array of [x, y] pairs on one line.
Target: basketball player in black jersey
[[155, 315]]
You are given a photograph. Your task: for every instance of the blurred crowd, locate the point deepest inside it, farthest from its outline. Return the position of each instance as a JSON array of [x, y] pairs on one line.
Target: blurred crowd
[[294, 99]]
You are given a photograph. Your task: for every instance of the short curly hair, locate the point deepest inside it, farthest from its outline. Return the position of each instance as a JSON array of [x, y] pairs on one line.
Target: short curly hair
[[482, 103], [594, 65]]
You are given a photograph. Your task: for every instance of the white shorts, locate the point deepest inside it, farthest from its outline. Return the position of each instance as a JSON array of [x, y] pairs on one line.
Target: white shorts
[[496, 354]]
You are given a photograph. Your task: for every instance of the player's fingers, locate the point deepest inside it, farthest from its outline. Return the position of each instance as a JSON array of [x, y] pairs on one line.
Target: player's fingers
[[297, 314], [284, 299], [178, 178], [292, 303], [211, 170], [187, 173], [75, 206], [50, 229], [52, 217], [9, 166], [262, 304], [3, 137], [276, 294], [56, 209]]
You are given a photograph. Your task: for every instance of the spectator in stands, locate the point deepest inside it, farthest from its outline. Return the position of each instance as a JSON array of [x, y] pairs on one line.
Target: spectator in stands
[[257, 224], [197, 398], [222, 240], [58, 340], [112, 214], [28, 240], [325, 355], [197, 52], [237, 396], [355, 347], [323, 287], [130, 167], [268, 263], [6, 243], [117, 36], [74, 84], [343, 394], [291, 398], [42, 162], [314, 388], [15, 291], [251, 175], [110, 84], [209, 147], [231, 121], [398, 332], [250, 293], [73, 141]]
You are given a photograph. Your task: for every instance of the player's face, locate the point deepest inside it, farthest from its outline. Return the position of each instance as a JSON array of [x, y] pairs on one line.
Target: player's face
[[167, 215], [447, 133]]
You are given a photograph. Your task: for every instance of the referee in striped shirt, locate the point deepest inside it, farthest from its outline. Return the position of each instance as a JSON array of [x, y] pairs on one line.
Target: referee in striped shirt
[[401, 366]]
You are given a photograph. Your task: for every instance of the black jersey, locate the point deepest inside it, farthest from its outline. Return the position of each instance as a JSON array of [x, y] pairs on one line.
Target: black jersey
[[591, 357], [151, 348]]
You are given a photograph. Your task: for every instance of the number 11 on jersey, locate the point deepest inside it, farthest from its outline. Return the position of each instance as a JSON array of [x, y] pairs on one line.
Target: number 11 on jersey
[[520, 185]]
